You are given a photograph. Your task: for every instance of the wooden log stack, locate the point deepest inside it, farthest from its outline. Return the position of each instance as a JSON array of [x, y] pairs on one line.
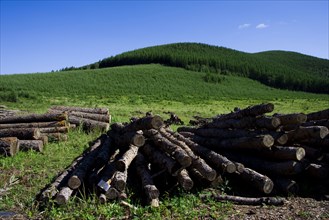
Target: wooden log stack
[[286, 148], [32, 131], [88, 118], [244, 145]]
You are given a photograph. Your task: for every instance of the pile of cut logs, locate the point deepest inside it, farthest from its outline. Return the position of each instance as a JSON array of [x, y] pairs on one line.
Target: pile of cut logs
[[266, 152], [31, 131], [88, 118]]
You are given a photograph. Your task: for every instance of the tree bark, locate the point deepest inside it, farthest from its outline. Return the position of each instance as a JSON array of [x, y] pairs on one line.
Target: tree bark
[[8, 146], [56, 136], [93, 116], [286, 186], [63, 129], [104, 111], [145, 123], [214, 159], [317, 143], [34, 118], [172, 149], [25, 145], [318, 171], [253, 111], [257, 180], [34, 124], [124, 162], [125, 139], [88, 124], [162, 159], [117, 127], [198, 178], [312, 153], [185, 180], [296, 118], [21, 133], [302, 133], [197, 162], [119, 180], [242, 143], [246, 200], [282, 153], [324, 114]]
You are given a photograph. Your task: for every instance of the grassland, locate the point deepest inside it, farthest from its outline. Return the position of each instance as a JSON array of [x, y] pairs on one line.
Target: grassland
[[126, 91]]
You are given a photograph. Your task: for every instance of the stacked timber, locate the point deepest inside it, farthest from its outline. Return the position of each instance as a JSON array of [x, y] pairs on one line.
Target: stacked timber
[[88, 118], [283, 148], [30, 132]]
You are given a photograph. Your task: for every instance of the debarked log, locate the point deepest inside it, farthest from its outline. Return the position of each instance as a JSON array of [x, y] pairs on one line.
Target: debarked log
[[8, 146], [172, 149], [81, 109], [197, 162], [34, 124], [25, 145], [257, 180], [145, 123], [246, 200], [214, 159], [160, 158], [324, 114], [34, 118], [89, 124], [21, 133], [253, 111]]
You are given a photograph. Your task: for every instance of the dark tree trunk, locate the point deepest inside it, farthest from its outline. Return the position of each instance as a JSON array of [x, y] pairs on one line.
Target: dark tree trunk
[[21, 133], [63, 129], [302, 133], [35, 125], [34, 118], [185, 180], [145, 123], [125, 139], [286, 186], [324, 114], [88, 124], [282, 153], [104, 111], [287, 119]]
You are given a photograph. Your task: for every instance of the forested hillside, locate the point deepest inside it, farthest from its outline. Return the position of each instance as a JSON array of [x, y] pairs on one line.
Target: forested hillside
[[280, 69]]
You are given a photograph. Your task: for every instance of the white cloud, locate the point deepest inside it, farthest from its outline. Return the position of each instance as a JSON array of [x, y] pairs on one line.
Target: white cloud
[[262, 26], [242, 26]]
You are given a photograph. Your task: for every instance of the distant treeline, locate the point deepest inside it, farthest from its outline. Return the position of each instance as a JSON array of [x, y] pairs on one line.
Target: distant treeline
[[285, 70]]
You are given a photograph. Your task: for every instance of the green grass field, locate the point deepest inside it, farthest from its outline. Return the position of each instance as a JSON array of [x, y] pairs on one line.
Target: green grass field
[[126, 91]]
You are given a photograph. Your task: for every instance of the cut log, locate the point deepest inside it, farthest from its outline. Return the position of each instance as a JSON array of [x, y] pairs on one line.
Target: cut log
[[324, 114], [286, 186], [242, 143], [302, 133], [214, 159], [185, 180], [8, 146], [88, 124], [246, 200], [197, 162], [145, 123], [21, 133], [125, 139], [34, 118], [97, 117], [124, 162], [296, 118], [257, 180], [117, 127], [282, 153], [102, 198], [26, 145], [253, 111], [87, 164], [283, 168], [312, 153], [318, 171], [239, 167], [119, 180], [63, 129], [172, 149], [150, 190], [154, 155], [34, 125], [55, 136], [280, 138], [112, 193], [104, 111], [63, 195], [198, 178], [317, 143], [232, 123]]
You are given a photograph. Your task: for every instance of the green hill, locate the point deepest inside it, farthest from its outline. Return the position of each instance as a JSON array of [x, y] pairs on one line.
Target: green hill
[[280, 69]]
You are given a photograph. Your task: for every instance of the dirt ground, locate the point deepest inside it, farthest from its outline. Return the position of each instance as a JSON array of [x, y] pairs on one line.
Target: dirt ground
[[294, 208]]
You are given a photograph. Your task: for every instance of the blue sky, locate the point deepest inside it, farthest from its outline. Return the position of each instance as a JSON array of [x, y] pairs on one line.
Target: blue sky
[[40, 36]]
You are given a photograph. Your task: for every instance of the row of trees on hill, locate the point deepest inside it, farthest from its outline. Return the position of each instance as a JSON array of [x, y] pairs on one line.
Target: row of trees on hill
[[280, 69]]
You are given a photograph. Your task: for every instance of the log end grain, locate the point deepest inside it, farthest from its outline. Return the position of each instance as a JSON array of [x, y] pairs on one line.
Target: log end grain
[[230, 167], [157, 122], [268, 186], [268, 141], [300, 153], [138, 140], [74, 182], [63, 196]]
